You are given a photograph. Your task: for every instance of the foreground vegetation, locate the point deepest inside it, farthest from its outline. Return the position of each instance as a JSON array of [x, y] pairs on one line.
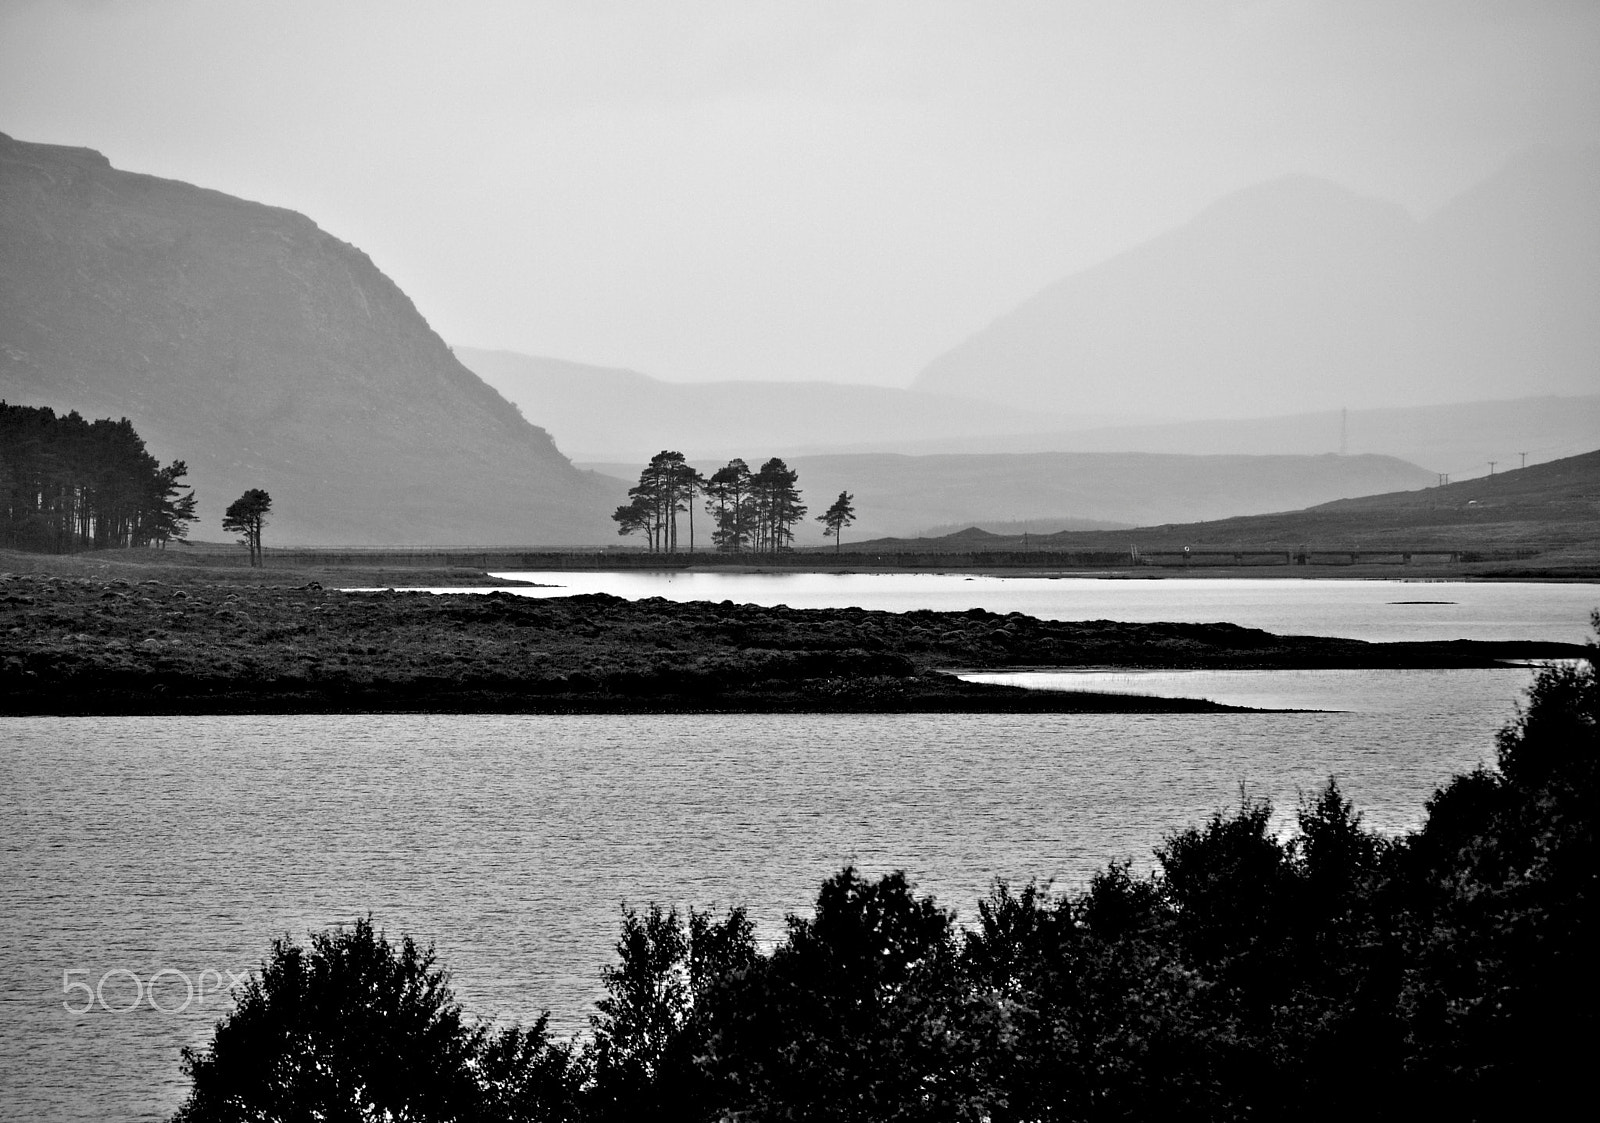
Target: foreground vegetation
[[1334, 974]]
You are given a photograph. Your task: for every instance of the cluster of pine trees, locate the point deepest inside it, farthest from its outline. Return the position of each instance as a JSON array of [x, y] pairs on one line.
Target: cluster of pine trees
[[67, 484], [1336, 974], [750, 512]]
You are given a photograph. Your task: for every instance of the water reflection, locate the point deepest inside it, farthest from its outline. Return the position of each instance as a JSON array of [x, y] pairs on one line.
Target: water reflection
[[186, 843], [1356, 609], [1408, 693]]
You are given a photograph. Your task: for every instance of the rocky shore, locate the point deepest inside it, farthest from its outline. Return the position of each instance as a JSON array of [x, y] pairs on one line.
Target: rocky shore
[[73, 644]]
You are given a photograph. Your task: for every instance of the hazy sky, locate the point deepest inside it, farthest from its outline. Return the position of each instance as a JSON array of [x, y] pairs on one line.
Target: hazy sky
[[807, 190]]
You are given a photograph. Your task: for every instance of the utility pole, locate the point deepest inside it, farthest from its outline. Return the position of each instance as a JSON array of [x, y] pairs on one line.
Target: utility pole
[[1492, 463], [1524, 458]]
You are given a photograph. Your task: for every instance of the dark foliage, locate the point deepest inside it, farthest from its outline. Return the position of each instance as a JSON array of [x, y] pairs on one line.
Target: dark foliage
[[246, 516], [1335, 974], [67, 484], [754, 511], [838, 516], [356, 1028], [667, 488]]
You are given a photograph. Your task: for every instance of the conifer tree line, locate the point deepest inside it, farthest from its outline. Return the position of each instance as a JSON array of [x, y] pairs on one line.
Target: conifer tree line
[[750, 512], [68, 484]]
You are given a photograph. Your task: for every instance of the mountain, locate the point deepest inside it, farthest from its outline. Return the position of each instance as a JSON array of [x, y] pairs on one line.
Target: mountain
[[1458, 438], [600, 413], [1552, 508], [906, 495], [266, 353], [1297, 295]]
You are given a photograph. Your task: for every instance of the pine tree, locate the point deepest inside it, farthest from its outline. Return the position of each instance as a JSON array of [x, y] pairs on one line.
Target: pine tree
[[778, 505], [728, 503], [245, 517], [837, 517]]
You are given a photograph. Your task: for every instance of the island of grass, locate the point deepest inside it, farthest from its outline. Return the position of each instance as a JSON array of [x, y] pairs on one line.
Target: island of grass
[[76, 644]]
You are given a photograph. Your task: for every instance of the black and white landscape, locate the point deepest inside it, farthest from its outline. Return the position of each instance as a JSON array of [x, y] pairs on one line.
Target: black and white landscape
[[785, 561]]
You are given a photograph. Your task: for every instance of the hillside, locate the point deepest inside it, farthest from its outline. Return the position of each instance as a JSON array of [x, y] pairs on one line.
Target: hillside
[[1553, 508], [265, 353], [1459, 438], [1297, 295], [906, 495], [600, 413]]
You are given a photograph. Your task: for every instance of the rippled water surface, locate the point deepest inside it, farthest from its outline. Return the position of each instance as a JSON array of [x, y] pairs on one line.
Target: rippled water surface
[[144, 845]]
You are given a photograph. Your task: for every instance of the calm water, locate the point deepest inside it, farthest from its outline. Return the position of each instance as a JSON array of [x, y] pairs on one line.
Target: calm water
[[167, 848], [145, 845], [1369, 610]]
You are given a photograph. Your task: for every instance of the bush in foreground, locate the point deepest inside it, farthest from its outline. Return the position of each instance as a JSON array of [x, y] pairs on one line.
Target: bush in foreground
[[1334, 974]]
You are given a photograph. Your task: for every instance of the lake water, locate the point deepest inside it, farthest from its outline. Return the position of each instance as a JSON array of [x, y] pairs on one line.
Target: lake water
[[1370, 610], [134, 849]]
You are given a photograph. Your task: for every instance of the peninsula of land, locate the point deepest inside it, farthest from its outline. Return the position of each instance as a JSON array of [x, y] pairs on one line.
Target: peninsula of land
[[83, 643]]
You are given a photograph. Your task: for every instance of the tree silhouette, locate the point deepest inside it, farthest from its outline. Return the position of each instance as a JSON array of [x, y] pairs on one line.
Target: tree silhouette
[[69, 484], [777, 505], [728, 503], [355, 1027], [174, 505], [689, 483], [666, 488], [635, 516], [837, 517], [245, 517]]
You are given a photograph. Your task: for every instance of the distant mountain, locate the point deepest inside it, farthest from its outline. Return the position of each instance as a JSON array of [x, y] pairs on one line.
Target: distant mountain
[[601, 413], [1013, 527], [1553, 508], [1459, 438], [1297, 295], [266, 353], [905, 495]]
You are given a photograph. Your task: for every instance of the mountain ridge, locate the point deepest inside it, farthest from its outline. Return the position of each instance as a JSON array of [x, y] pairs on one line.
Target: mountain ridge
[[1297, 293], [608, 413], [265, 352], [1551, 508]]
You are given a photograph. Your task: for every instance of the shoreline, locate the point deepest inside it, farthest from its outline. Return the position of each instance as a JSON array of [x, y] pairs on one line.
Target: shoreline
[[88, 644], [384, 570]]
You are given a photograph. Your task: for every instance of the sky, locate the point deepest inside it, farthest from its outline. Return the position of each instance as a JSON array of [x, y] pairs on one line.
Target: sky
[[818, 190]]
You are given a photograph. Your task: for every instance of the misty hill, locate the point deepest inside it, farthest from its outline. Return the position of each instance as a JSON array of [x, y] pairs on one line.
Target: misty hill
[[266, 353], [1458, 438], [602, 413], [1014, 527], [1553, 507], [1297, 295], [619, 416], [906, 495]]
